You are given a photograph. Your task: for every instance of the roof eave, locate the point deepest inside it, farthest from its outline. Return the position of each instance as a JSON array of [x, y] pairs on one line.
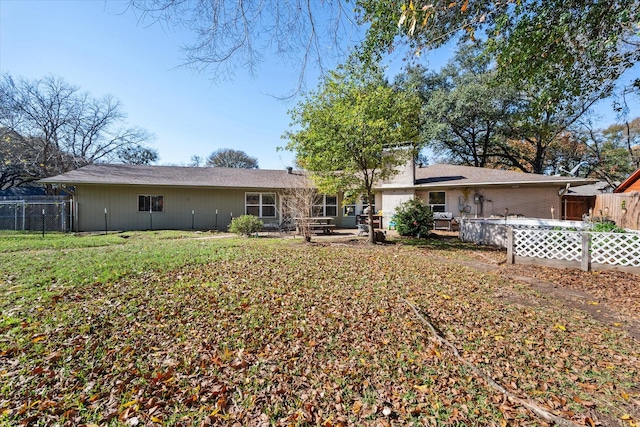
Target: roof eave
[[450, 184], [627, 182]]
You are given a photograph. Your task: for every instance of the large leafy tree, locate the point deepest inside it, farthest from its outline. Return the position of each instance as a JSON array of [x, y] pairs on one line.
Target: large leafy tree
[[354, 130], [474, 117], [467, 110], [51, 127], [230, 158], [580, 46]]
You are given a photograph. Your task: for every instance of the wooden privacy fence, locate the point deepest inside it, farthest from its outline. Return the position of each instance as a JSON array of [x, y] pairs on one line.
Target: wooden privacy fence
[[574, 249], [609, 205]]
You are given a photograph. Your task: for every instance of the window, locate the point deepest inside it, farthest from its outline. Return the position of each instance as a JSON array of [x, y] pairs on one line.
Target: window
[[262, 205], [150, 203], [324, 205], [437, 201]]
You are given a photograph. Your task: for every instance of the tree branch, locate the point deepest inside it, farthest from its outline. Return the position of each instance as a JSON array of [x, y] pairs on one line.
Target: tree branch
[[533, 407]]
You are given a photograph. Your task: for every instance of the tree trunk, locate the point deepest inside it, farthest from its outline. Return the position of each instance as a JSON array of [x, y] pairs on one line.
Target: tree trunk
[[372, 235]]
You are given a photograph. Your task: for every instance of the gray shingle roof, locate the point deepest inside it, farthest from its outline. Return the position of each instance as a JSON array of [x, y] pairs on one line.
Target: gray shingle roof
[[443, 175], [439, 175], [118, 174]]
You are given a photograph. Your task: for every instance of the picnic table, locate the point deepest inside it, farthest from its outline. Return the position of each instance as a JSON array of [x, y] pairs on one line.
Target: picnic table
[[316, 224]]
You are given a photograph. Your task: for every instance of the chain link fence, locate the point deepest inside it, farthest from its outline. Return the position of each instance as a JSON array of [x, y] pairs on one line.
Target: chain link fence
[[54, 214]]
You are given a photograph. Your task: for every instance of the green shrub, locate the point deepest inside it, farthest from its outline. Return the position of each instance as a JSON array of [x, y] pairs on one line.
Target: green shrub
[[413, 218], [607, 227], [245, 225]]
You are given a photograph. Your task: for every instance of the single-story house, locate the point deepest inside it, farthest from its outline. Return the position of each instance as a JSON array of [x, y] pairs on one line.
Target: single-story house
[[136, 197], [478, 192]]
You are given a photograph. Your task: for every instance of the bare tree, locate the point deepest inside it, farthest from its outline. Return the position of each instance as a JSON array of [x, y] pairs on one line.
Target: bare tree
[[298, 198], [230, 158], [56, 128], [241, 34]]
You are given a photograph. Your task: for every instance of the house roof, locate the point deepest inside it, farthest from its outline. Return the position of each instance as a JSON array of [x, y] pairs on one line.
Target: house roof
[[628, 182], [590, 190], [120, 174], [443, 175], [23, 191], [438, 175]]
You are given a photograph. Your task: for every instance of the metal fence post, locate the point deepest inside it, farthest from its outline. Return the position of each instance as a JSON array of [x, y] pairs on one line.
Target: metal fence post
[[64, 217]]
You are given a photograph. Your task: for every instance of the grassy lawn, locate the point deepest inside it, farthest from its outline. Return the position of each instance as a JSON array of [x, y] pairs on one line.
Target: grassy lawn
[[164, 329]]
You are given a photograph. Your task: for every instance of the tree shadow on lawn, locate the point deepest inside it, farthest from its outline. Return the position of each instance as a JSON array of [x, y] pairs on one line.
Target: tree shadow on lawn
[[443, 242]]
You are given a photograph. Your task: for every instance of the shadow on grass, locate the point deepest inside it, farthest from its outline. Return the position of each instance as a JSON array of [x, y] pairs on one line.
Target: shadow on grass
[[440, 242]]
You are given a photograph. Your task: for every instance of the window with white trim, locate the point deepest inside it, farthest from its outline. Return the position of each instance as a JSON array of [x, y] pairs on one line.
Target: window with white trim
[[324, 205], [262, 205], [437, 201], [150, 203]]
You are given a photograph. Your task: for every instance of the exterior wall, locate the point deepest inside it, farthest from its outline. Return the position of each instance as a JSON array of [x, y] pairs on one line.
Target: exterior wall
[[532, 202], [633, 187], [406, 175], [121, 203], [390, 200]]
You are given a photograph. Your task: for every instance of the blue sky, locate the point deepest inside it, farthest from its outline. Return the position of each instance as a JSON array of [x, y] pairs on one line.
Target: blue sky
[[93, 45], [103, 49]]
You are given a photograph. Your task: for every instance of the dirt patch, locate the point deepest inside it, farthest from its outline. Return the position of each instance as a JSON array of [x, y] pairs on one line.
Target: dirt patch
[[610, 297]]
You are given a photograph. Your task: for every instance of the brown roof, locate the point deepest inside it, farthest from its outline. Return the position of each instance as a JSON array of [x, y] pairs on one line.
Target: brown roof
[[443, 175], [118, 174], [628, 182]]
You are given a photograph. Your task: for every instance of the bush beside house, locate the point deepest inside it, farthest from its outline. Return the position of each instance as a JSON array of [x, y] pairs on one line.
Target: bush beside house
[[413, 218], [245, 225]]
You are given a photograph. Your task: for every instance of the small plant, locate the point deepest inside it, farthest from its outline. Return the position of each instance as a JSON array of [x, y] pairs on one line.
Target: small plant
[[413, 218], [245, 225], [607, 227]]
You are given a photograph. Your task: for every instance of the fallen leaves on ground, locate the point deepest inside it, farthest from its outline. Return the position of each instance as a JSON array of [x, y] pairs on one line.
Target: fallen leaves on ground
[[617, 289], [309, 335]]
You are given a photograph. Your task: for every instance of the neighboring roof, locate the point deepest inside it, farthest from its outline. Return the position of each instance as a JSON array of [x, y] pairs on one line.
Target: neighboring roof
[[118, 174], [590, 190], [628, 182], [23, 191], [442, 175]]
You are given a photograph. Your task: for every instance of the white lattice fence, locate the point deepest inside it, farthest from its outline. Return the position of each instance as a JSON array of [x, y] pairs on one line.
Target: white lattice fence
[[548, 244], [616, 249]]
